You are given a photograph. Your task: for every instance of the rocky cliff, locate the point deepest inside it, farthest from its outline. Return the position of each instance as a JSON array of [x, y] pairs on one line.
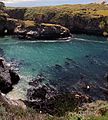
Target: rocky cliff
[[48, 22], [89, 18], [24, 30]]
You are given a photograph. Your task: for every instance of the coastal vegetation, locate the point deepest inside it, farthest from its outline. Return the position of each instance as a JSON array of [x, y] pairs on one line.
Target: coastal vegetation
[[89, 18], [96, 111]]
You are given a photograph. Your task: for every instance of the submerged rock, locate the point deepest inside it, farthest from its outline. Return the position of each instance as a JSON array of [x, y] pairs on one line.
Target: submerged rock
[[1, 52], [106, 77]]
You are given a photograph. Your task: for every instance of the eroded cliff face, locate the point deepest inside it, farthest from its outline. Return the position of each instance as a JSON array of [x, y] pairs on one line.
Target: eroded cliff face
[[83, 24]]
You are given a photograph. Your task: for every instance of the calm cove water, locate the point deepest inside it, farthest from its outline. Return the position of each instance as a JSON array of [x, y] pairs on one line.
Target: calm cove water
[[62, 63]]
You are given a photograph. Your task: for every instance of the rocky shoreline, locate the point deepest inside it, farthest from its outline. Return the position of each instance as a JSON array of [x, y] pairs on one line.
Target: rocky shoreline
[[8, 78], [41, 97], [45, 97], [16, 28]]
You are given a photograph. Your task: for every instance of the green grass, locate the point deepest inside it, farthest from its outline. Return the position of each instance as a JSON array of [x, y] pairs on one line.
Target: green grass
[[96, 111], [53, 11], [104, 117]]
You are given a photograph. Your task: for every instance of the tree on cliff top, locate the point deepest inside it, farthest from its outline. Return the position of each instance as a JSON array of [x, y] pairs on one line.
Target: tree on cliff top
[[2, 5]]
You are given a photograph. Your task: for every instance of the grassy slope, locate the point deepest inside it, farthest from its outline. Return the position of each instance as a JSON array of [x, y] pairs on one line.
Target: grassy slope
[[90, 10], [95, 111]]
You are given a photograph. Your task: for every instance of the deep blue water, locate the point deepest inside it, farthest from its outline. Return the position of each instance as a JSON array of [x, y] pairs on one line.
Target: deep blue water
[[64, 64]]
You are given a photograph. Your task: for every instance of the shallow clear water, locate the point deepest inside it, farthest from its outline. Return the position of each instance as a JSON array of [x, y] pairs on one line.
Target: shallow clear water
[[88, 53]]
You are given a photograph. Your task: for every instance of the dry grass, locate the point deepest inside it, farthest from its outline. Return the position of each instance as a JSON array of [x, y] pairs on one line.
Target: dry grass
[[29, 23], [102, 12]]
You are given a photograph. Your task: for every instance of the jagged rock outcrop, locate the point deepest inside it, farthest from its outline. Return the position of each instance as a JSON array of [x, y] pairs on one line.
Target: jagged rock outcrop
[[43, 32], [44, 97], [7, 77]]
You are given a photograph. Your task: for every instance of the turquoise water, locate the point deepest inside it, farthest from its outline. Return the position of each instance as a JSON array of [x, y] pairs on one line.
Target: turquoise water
[[88, 53]]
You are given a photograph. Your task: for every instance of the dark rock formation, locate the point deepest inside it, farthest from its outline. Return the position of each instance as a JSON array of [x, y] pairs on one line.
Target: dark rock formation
[[46, 98], [7, 77], [14, 77], [43, 32], [7, 25], [2, 24], [16, 13], [84, 24], [10, 26]]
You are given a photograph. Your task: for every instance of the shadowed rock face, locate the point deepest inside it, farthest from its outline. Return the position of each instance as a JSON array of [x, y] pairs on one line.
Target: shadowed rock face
[[7, 77], [78, 24], [2, 24], [7, 26], [14, 77]]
